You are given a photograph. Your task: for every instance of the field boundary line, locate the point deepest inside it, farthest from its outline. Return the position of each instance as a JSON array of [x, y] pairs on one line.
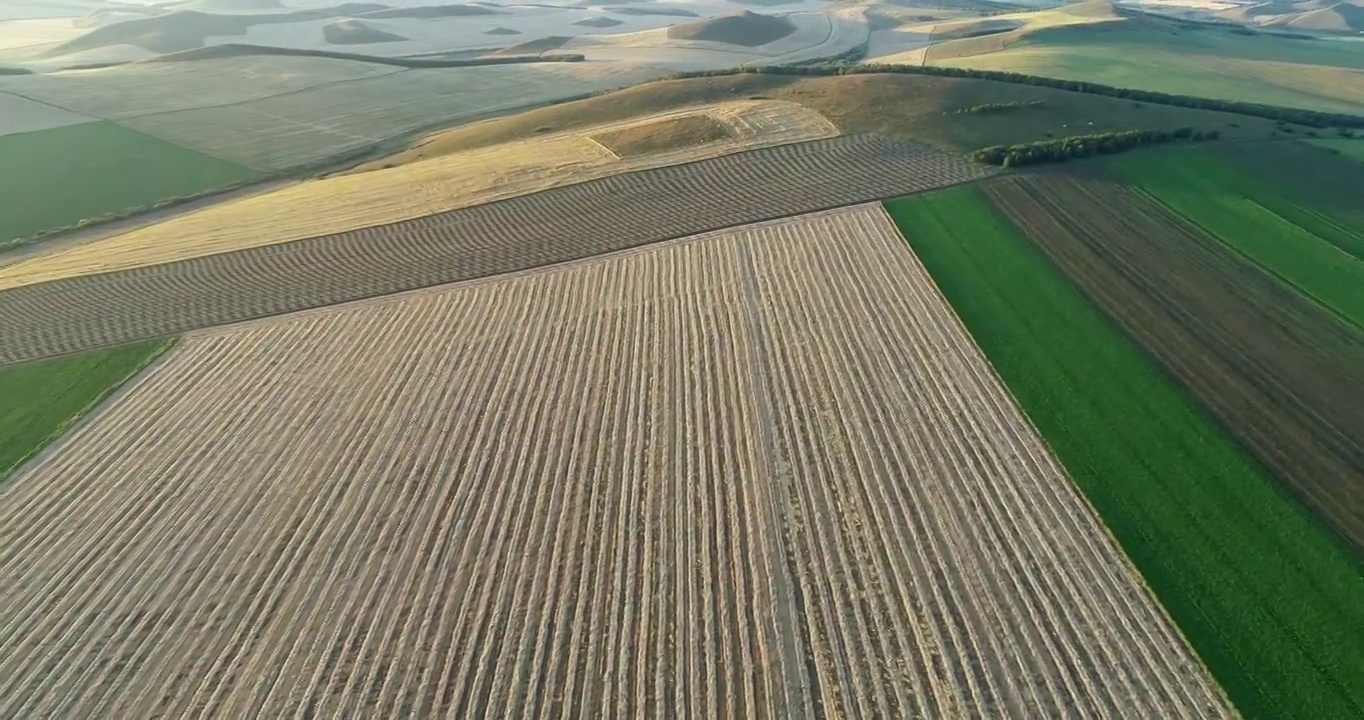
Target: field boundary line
[[679, 241], [92, 410], [1132, 570], [1304, 292]]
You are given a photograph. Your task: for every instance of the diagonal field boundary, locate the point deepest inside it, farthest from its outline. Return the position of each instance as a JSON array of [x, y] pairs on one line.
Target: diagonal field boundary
[[559, 225]]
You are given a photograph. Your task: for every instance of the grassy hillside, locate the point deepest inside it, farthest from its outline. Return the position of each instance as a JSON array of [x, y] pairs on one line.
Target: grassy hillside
[[57, 178], [1210, 62], [1263, 594], [929, 109], [42, 399], [1349, 147]]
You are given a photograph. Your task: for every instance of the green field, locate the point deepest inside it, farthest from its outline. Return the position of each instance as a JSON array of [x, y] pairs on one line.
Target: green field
[[1349, 147], [1264, 595], [1315, 74], [1320, 255], [41, 399], [59, 177]]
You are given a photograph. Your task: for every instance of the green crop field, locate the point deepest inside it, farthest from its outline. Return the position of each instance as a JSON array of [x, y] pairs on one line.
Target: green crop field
[[59, 177], [1349, 147], [1263, 593], [41, 399], [1316, 253], [1315, 74]]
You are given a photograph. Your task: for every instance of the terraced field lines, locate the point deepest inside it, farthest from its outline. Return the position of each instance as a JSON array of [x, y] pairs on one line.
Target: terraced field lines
[[559, 225], [1320, 257], [664, 483], [1263, 593]]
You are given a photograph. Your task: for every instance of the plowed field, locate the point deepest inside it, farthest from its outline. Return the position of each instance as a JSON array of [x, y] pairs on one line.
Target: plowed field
[[764, 474], [553, 226], [1282, 374]]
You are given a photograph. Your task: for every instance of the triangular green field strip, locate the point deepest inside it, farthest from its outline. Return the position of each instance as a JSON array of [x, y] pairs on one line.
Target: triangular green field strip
[[40, 400]]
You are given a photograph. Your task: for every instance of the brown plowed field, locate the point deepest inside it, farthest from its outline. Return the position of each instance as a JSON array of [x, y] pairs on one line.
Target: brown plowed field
[[1284, 376], [762, 474], [554, 226]]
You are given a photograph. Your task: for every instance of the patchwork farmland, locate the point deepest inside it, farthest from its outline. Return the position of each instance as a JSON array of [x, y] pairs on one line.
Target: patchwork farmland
[[376, 195], [724, 477], [559, 225], [1267, 596], [1277, 370]]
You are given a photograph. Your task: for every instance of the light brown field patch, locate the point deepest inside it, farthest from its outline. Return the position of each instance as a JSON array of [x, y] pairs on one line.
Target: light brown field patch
[[764, 473], [448, 182], [21, 115], [657, 136]]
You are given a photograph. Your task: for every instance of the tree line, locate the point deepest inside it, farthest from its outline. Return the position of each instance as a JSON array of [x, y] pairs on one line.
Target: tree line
[[1297, 116], [1075, 147]]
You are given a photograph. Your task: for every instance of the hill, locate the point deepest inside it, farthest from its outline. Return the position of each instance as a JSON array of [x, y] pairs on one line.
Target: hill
[[1338, 18], [1139, 51], [746, 28], [355, 32], [927, 109], [187, 29]]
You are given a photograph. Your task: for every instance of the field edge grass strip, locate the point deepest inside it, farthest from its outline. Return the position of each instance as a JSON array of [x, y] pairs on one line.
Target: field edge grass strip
[[1193, 512], [46, 398]]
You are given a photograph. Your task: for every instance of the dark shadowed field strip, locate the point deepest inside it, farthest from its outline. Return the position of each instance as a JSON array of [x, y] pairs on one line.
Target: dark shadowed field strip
[[555, 226], [762, 475], [1282, 374]]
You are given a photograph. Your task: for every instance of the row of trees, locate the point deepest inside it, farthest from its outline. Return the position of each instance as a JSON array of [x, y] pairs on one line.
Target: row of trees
[[1297, 116], [1081, 146], [1002, 107]]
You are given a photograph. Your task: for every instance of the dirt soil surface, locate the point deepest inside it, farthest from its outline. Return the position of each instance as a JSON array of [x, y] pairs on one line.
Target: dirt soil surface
[[554, 226], [762, 474], [1282, 374]]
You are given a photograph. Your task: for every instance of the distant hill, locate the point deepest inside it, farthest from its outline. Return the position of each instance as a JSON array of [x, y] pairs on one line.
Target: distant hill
[[356, 32], [229, 7], [534, 47], [748, 29], [1323, 16], [1341, 17], [186, 29], [598, 22], [432, 12]]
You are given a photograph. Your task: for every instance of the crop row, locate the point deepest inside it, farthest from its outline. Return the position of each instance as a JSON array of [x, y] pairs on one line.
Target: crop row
[[554, 226], [1264, 594], [1283, 375], [761, 474]]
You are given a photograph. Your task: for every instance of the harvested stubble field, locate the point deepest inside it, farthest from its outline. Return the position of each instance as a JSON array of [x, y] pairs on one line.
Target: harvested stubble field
[[1282, 374], [1267, 596], [557, 225], [765, 473], [296, 129], [419, 185]]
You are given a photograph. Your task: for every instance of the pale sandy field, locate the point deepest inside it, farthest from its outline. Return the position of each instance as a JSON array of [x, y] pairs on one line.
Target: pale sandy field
[[132, 90], [353, 201], [764, 473], [21, 115]]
